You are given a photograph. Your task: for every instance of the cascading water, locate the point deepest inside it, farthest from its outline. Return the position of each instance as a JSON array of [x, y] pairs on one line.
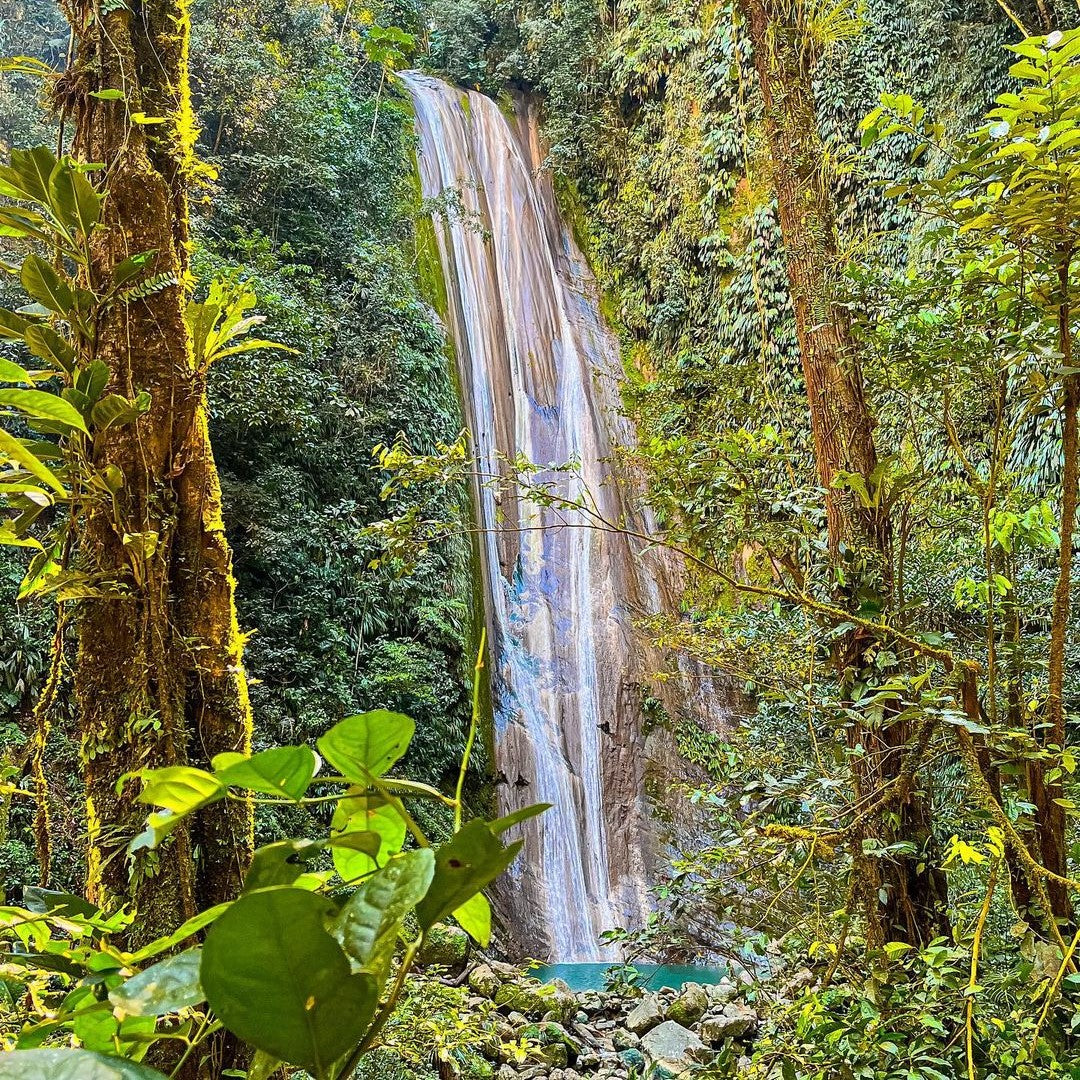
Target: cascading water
[[539, 374]]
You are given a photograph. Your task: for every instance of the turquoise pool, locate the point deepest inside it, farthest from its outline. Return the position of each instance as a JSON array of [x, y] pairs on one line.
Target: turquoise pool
[[652, 976]]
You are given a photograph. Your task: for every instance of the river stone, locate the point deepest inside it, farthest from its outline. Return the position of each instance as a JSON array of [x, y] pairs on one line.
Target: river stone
[[721, 992], [646, 1016], [632, 1058], [689, 1007], [484, 981], [507, 1072], [735, 1021], [622, 1039], [445, 947], [672, 1050], [550, 1035]]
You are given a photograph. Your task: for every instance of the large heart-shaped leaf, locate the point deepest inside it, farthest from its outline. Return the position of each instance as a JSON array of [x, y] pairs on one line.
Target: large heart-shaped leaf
[[464, 865], [365, 814], [278, 980], [165, 987], [284, 770], [367, 926], [70, 1065], [366, 746]]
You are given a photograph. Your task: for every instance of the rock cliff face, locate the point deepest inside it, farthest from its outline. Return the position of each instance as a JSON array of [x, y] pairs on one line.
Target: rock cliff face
[[563, 581]]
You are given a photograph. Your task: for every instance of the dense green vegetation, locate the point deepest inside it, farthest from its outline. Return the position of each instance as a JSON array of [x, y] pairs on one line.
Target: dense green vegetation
[[839, 246]]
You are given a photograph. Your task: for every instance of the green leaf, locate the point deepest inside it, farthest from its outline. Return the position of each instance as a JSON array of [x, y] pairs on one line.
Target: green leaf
[[369, 923], [180, 788], [12, 327], [14, 450], [92, 380], [43, 284], [474, 917], [74, 200], [28, 175], [279, 981], [284, 770], [12, 372], [165, 987], [46, 343], [70, 1065], [526, 813], [184, 931], [47, 406], [113, 411], [366, 746], [464, 865], [365, 814]]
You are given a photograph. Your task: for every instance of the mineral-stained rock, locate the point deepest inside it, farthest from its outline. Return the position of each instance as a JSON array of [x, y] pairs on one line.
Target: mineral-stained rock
[[646, 1016], [633, 1058], [673, 1050], [689, 1007]]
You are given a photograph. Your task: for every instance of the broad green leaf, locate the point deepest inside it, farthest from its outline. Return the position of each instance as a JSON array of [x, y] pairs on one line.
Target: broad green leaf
[[12, 326], [164, 987], [369, 923], [464, 865], [365, 814], [92, 380], [474, 917], [113, 410], [367, 745], [46, 343], [12, 372], [279, 981], [501, 825], [13, 449], [28, 175], [180, 788], [46, 286], [70, 1065], [284, 770], [74, 200], [186, 930], [40, 403]]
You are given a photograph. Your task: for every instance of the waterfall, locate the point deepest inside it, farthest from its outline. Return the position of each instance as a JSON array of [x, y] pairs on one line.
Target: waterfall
[[539, 372]]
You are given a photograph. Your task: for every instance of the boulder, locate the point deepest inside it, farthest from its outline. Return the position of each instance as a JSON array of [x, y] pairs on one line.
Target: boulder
[[689, 1007], [646, 1016], [672, 1050], [721, 992], [622, 1039], [734, 1022], [550, 1035], [484, 982], [445, 947]]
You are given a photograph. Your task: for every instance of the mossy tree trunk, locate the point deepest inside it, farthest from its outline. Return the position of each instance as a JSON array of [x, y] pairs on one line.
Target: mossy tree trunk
[[904, 895], [159, 677]]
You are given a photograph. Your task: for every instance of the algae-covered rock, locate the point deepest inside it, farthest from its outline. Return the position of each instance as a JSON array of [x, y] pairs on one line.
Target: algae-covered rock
[[445, 947], [689, 1007]]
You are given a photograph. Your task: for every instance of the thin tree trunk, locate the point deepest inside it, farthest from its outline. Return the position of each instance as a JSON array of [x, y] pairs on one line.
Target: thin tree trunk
[[909, 901], [1051, 823]]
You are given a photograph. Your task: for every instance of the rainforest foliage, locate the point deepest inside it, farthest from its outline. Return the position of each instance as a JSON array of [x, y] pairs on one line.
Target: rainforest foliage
[[245, 753]]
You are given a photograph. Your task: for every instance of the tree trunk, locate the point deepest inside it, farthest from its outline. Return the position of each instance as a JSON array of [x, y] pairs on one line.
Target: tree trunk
[[909, 901], [159, 678]]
